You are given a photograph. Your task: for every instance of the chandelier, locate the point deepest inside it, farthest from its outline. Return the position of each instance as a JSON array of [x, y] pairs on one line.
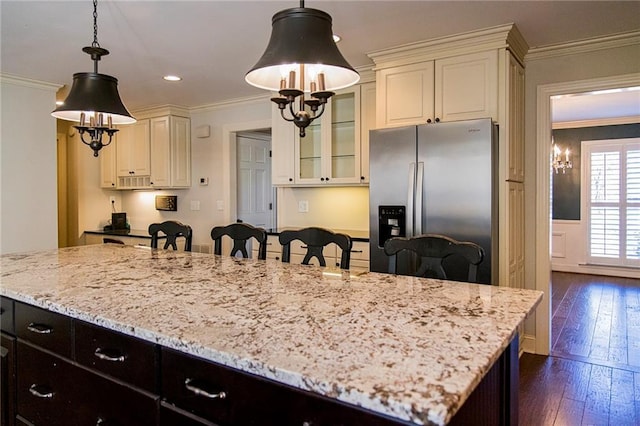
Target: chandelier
[[93, 100], [302, 57], [558, 162]]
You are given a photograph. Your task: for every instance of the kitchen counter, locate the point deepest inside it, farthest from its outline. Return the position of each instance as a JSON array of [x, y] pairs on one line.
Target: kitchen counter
[[354, 234], [410, 348], [137, 233]]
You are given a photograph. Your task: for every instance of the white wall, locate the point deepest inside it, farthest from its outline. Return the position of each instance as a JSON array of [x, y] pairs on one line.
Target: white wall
[[29, 218]]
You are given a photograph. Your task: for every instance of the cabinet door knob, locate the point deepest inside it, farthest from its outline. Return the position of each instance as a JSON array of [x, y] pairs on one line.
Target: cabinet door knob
[[290, 179], [428, 120], [437, 120], [327, 179]]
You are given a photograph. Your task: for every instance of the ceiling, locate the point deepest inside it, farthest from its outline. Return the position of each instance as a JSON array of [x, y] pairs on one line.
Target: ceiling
[[212, 44]]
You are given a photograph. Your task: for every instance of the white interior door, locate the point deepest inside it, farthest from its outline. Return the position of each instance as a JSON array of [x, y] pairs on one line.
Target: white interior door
[[255, 193]]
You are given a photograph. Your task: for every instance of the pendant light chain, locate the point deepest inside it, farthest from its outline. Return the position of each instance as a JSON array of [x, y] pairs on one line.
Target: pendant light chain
[[95, 24]]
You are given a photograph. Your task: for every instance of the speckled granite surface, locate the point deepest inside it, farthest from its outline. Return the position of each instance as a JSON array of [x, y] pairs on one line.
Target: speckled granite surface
[[406, 347]]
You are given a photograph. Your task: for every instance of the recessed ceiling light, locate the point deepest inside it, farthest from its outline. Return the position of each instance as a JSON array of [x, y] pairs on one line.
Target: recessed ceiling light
[[172, 78]]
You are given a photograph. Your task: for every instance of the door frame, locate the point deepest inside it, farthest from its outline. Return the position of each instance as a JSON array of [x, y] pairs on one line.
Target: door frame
[[229, 162], [543, 182]]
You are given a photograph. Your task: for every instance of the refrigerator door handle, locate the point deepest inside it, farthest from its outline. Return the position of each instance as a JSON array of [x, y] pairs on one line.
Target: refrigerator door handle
[[410, 193], [419, 208]]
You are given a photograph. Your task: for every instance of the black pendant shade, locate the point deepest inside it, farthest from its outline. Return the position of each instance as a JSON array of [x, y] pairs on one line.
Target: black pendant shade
[[302, 36], [94, 101], [93, 92]]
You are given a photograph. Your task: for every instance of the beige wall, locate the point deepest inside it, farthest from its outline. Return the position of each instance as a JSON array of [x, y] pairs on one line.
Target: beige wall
[[29, 219], [560, 66], [338, 208]]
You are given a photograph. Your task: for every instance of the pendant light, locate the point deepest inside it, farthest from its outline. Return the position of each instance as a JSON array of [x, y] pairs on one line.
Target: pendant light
[[302, 56], [93, 100]]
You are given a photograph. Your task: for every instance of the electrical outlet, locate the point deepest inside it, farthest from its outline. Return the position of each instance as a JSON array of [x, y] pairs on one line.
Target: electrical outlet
[[303, 206]]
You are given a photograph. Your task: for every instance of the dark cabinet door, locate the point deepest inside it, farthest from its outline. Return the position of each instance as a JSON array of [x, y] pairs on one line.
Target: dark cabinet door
[[126, 358], [6, 316], [44, 386], [44, 328], [7, 380], [53, 391], [190, 383]]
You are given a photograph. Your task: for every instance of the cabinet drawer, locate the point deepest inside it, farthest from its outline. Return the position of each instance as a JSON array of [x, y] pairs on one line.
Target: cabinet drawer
[[359, 251], [250, 400], [115, 354], [7, 323], [44, 328], [51, 391], [44, 386]]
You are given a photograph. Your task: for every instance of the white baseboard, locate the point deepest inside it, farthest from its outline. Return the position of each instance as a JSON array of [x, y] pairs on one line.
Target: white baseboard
[[596, 270]]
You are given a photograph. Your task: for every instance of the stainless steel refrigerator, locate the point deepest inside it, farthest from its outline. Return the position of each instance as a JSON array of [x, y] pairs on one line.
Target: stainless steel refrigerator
[[434, 179]]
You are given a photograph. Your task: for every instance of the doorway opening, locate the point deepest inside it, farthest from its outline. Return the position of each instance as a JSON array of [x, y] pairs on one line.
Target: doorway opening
[[543, 191]]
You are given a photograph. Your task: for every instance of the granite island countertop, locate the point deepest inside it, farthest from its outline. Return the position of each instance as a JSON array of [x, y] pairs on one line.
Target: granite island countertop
[[406, 347]]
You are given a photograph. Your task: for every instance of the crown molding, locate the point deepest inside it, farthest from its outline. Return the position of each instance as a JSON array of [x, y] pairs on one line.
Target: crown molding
[[26, 82], [614, 121], [584, 46], [159, 111], [499, 37]]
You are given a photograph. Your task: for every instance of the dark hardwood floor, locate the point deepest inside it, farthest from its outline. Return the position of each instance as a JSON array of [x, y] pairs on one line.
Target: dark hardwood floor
[[593, 374]]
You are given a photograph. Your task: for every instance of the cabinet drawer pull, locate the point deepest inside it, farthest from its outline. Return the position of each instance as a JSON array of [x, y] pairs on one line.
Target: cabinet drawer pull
[[40, 391], [356, 251], [39, 328], [109, 355], [191, 386]]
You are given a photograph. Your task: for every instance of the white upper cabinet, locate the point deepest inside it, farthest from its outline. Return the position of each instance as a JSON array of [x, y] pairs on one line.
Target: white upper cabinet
[[132, 148], [108, 171], [331, 151], [283, 140], [466, 87], [180, 152], [367, 123], [155, 152], [160, 152], [456, 88], [405, 94], [170, 152]]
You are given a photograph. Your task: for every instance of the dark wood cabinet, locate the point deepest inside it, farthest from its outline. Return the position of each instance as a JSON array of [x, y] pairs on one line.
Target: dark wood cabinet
[[43, 328], [57, 368], [7, 323], [230, 397], [123, 357], [7, 379]]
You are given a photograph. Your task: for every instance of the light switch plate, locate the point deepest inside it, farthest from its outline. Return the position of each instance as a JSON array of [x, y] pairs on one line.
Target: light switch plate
[[195, 205], [303, 206]]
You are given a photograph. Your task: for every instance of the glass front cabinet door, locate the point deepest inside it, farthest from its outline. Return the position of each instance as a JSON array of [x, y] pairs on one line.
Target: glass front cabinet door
[[330, 151]]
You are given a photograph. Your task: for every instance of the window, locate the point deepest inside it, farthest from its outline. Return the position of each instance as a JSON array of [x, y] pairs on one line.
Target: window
[[613, 201]]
